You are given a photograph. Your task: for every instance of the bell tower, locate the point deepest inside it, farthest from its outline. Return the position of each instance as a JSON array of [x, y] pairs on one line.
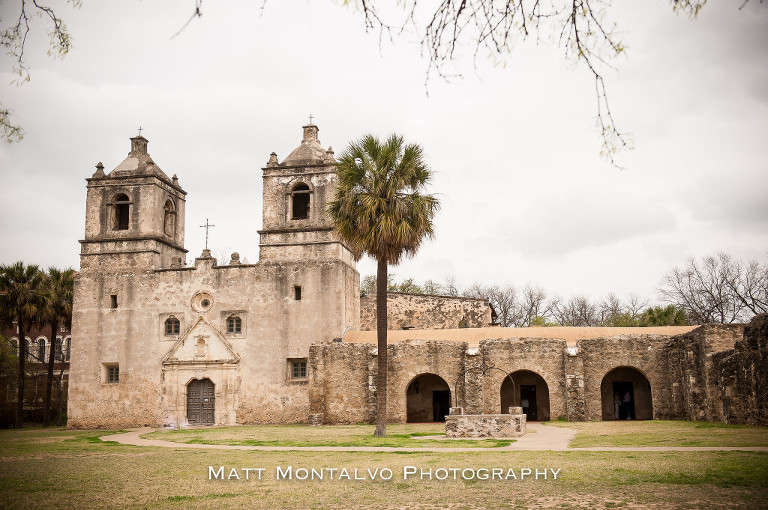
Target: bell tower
[[134, 216], [296, 193]]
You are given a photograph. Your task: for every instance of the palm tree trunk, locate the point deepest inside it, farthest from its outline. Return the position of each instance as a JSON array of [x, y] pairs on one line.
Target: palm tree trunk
[[59, 400], [381, 335], [49, 379], [20, 381]]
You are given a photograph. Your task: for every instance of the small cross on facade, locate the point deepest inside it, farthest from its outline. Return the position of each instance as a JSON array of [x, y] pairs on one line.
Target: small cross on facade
[[206, 227], [140, 128], [310, 118]]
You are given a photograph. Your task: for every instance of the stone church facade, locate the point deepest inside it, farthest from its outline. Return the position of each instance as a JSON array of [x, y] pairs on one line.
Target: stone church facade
[[163, 343], [156, 342]]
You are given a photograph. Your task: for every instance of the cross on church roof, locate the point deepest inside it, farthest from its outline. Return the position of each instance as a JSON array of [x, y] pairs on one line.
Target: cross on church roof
[[140, 128], [206, 227], [310, 118]]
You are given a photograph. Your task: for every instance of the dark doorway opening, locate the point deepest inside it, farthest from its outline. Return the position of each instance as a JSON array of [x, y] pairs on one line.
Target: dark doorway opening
[[626, 394], [623, 400], [528, 401], [201, 402], [441, 404], [529, 391], [428, 399]]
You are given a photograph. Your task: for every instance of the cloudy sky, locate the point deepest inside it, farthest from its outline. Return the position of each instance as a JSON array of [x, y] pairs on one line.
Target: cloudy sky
[[526, 197]]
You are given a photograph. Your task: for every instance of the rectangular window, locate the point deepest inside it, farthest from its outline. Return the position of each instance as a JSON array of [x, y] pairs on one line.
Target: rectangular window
[[172, 326], [297, 292], [113, 301], [298, 370], [112, 374], [234, 325]]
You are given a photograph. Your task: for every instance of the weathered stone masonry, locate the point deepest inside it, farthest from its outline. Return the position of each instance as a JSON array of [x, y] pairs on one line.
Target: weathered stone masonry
[[159, 343], [149, 327], [695, 376], [422, 311]]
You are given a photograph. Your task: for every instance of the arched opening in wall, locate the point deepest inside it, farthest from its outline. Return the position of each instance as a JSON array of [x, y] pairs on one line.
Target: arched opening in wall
[[530, 392], [59, 352], [169, 218], [300, 202], [626, 395], [41, 350], [428, 399], [201, 402], [121, 206]]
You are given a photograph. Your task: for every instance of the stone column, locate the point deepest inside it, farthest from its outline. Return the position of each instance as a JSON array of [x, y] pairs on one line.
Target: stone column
[[317, 356], [575, 403], [473, 382], [370, 397]]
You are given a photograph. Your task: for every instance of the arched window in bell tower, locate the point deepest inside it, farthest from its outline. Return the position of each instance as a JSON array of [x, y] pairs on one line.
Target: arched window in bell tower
[[300, 202], [121, 205], [169, 219]]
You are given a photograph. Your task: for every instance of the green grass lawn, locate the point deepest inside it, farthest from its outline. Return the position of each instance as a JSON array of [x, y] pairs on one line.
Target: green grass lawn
[[664, 433], [58, 468], [410, 435]]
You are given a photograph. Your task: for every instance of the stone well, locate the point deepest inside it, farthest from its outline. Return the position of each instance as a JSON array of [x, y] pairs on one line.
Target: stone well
[[458, 424]]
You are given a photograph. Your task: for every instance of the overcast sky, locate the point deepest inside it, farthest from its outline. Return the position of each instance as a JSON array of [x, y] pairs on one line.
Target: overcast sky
[[526, 197]]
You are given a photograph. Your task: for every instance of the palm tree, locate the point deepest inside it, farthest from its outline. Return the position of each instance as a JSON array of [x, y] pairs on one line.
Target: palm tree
[[380, 210], [20, 300], [57, 310]]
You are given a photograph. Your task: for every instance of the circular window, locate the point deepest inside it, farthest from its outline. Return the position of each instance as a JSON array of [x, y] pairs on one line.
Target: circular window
[[202, 302]]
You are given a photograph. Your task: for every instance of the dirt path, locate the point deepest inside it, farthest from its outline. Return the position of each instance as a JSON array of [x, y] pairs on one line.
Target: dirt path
[[540, 438]]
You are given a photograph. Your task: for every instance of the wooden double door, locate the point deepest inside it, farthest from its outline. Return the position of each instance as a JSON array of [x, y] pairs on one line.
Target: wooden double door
[[201, 402]]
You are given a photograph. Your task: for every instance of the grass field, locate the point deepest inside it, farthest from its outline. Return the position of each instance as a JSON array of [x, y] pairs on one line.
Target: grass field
[[398, 435], [664, 433], [59, 468]]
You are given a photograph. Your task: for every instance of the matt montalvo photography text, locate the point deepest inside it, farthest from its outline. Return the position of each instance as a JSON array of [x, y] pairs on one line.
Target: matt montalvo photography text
[[382, 474]]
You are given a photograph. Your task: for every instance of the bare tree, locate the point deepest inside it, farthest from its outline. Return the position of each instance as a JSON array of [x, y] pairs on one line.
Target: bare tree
[[476, 290], [610, 307], [717, 289], [577, 311], [432, 287], [535, 305], [14, 39], [582, 28], [636, 305], [750, 286], [449, 287]]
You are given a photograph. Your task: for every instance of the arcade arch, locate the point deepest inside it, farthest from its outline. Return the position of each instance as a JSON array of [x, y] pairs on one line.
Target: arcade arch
[[428, 399], [529, 391], [626, 394]]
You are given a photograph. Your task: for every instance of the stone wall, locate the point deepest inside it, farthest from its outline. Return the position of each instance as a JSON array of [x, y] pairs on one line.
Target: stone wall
[[694, 393], [691, 376], [643, 354], [540, 356], [740, 376], [250, 368], [421, 311]]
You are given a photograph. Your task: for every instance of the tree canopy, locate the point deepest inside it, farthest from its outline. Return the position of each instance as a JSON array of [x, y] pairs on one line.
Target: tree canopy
[[21, 289], [380, 209]]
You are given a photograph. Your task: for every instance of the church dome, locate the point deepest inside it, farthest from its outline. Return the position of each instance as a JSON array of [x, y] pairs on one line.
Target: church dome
[[138, 162], [310, 152]]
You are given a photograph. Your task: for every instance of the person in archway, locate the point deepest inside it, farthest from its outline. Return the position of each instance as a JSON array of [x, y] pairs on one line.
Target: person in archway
[[626, 402], [616, 405]]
